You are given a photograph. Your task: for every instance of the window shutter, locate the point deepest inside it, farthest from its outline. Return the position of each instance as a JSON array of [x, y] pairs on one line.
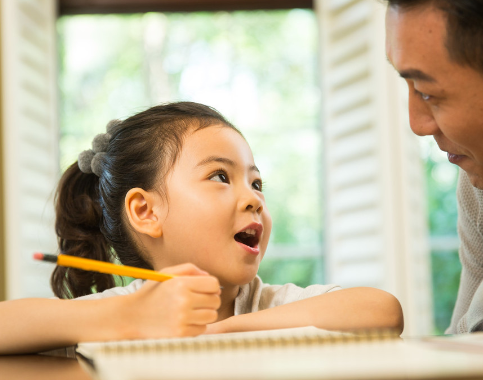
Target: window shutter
[[29, 120], [376, 232]]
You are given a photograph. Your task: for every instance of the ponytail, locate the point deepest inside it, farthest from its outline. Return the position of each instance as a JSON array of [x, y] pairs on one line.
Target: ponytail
[[77, 225]]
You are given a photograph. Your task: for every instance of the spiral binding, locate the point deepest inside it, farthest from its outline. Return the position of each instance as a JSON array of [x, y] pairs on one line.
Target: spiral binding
[[231, 342]]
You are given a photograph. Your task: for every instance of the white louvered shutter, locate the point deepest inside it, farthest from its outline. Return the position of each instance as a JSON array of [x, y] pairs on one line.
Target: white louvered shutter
[[376, 230], [30, 165]]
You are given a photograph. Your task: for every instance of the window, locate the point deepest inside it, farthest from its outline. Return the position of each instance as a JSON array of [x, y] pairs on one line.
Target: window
[[258, 68]]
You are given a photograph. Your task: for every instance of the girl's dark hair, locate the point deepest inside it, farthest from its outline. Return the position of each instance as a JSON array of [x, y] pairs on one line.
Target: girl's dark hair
[[90, 220], [464, 27]]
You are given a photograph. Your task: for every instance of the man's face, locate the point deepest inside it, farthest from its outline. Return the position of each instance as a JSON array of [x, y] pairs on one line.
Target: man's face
[[445, 98]]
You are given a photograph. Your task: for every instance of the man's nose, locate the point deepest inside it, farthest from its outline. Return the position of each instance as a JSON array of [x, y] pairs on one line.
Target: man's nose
[[421, 117]]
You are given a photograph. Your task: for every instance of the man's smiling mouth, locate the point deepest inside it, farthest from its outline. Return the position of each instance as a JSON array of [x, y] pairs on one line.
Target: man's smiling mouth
[[455, 158]]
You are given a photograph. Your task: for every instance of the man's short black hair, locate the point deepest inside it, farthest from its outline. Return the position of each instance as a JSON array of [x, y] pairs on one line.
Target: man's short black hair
[[464, 27]]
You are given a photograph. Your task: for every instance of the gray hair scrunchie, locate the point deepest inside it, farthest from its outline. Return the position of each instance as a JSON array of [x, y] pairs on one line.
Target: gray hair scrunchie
[[90, 161], [84, 161]]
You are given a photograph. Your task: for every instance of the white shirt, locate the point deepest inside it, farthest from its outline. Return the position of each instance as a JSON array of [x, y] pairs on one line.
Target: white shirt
[[252, 297]]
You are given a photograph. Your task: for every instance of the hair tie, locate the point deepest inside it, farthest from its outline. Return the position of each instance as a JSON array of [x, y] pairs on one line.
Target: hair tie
[[90, 161]]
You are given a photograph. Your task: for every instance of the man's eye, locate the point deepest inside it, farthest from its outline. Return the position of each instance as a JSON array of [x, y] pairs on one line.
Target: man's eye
[[220, 177], [423, 96], [257, 185]]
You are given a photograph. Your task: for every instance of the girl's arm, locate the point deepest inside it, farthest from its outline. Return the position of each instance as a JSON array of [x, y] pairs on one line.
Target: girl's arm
[[182, 306], [347, 309]]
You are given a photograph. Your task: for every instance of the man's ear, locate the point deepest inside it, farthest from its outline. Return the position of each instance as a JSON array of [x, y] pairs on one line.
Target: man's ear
[[144, 210]]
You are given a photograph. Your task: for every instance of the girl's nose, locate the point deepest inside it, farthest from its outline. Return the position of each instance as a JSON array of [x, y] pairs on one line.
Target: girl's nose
[[250, 201], [421, 117], [258, 208]]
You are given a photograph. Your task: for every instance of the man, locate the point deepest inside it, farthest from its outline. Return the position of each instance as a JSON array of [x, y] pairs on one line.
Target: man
[[437, 47]]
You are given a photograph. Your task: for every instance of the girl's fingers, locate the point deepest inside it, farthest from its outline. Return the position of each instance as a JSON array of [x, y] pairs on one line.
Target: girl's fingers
[[205, 301], [202, 317], [205, 284], [187, 269], [183, 284]]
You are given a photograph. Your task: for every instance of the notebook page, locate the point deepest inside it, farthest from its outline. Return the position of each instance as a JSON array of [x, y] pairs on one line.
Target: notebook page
[[302, 353], [390, 359]]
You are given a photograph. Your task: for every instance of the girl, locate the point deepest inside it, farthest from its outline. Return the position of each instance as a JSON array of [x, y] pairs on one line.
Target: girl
[[174, 188]]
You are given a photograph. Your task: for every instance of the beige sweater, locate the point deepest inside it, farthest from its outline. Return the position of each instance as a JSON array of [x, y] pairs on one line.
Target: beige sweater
[[468, 311]]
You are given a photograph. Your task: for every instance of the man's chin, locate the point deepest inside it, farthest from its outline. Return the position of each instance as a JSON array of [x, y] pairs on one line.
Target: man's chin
[[476, 180]]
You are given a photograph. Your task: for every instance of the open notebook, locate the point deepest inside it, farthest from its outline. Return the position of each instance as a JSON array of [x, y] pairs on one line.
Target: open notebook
[[302, 353]]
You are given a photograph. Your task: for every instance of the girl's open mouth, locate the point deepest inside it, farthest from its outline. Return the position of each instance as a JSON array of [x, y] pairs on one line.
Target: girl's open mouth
[[249, 238]]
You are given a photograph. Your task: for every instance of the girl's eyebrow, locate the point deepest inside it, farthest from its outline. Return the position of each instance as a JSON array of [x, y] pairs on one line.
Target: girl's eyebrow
[[223, 160]]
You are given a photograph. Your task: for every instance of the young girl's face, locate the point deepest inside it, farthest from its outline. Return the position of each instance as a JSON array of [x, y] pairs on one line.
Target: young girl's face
[[216, 216]]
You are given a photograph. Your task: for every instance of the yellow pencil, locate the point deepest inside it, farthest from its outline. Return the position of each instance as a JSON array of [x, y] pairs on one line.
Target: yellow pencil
[[103, 267]]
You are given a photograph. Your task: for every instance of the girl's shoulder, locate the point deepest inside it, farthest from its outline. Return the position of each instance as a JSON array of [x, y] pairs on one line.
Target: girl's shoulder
[[257, 296]]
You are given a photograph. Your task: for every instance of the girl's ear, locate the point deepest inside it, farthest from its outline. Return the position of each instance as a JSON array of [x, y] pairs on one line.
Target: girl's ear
[[144, 212]]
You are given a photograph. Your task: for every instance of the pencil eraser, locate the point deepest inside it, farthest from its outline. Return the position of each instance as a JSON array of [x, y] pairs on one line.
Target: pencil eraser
[[38, 256]]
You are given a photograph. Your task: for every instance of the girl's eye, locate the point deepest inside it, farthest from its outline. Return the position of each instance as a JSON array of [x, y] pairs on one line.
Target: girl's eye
[[219, 177], [257, 185]]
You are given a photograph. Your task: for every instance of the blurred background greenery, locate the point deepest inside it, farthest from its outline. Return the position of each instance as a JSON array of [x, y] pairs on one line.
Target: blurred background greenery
[[441, 178], [260, 69]]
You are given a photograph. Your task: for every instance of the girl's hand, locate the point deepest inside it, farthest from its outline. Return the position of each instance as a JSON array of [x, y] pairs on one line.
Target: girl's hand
[[182, 306], [214, 328]]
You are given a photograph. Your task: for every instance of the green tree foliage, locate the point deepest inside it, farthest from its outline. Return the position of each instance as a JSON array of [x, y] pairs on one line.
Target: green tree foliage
[[441, 179], [446, 270]]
